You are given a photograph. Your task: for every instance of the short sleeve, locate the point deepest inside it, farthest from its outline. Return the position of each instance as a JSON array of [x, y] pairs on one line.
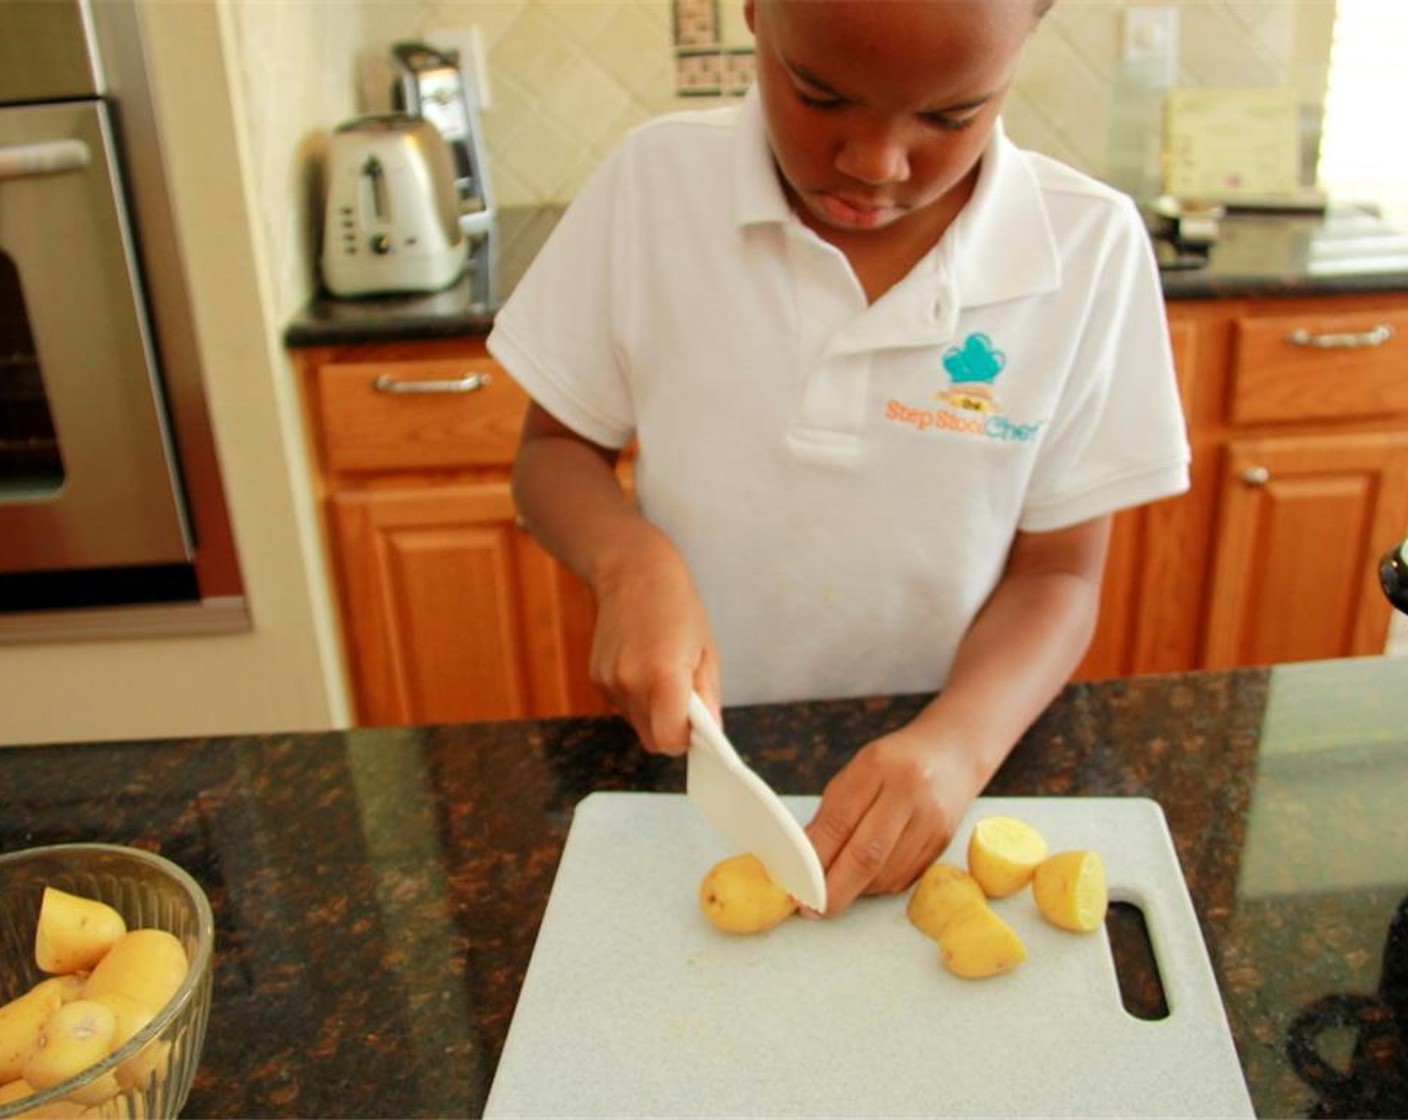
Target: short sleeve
[[556, 332], [1117, 438]]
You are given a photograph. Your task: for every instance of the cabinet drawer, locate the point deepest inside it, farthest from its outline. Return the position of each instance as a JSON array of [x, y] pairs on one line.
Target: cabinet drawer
[[405, 415], [1321, 367]]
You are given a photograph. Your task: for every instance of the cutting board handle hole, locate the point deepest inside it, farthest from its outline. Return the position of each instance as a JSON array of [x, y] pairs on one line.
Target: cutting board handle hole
[[1136, 967]]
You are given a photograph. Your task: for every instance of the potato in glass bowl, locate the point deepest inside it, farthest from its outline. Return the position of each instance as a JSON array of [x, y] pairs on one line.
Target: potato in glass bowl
[[141, 1059]]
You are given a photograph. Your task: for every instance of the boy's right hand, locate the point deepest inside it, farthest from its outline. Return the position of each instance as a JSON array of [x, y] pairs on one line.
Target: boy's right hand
[[653, 644]]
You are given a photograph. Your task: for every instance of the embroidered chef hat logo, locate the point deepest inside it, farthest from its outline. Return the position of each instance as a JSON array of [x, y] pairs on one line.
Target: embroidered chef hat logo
[[969, 407], [972, 368]]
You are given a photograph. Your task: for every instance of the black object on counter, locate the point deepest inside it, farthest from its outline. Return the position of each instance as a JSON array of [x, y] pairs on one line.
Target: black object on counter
[[1393, 574], [1375, 1082]]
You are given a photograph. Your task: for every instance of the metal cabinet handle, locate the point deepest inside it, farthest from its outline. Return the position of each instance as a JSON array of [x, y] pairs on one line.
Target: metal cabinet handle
[[1374, 336], [469, 383], [53, 157], [1256, 476]]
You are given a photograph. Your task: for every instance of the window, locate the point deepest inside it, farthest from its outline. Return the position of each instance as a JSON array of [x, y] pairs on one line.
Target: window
[[1364, 139]]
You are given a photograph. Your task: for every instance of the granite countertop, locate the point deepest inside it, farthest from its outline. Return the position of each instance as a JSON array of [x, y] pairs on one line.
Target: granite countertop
[[466, 308], [1344, 251], [377, 891]]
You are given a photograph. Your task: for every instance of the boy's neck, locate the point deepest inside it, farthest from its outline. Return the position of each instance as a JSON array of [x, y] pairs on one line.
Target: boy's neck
[[882, 258]]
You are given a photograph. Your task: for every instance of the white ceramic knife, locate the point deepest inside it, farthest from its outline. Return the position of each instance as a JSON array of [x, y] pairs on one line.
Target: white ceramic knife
[[744, 808]]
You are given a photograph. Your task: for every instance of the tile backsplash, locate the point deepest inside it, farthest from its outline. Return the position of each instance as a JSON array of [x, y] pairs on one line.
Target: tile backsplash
[[569, 77]]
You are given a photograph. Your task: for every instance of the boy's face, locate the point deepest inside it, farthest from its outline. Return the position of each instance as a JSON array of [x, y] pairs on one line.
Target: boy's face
[[878, 110]]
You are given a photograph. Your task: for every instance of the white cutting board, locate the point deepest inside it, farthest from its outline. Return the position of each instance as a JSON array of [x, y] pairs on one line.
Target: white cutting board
[[633, 1005]]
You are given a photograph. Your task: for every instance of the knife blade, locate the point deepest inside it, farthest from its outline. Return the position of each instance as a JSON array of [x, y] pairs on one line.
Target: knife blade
[[745, 810]]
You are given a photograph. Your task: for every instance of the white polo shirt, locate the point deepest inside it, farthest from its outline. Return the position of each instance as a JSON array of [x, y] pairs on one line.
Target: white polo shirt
[[845, 479]]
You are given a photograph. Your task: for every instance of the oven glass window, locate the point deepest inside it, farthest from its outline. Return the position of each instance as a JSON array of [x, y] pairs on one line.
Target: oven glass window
[[30, 462]]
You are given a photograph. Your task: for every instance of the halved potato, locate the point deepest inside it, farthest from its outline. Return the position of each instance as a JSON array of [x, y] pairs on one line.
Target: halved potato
[[1003, 854], [738, 896], [941, 892], [1070, 890], [20, 1022], [74, 932], [76, 1036], [976, 943]]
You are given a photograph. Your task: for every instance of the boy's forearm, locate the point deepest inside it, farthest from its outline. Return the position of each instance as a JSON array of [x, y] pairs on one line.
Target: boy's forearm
[[1017, 656]]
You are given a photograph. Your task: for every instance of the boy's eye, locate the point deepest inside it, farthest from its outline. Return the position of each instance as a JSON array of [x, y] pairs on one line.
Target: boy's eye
[[953, 124], [822, 102]]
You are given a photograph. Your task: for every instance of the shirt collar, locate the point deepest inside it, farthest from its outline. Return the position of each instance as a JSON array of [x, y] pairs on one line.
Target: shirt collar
[[757, 193], [1000, 246], [1002, 243]]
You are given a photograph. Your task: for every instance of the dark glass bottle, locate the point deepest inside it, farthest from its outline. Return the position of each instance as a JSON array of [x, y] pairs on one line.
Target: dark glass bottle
[[1393, 574]]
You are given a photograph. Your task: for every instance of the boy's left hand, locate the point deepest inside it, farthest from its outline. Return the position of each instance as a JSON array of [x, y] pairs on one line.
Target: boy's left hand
[[890, 813]]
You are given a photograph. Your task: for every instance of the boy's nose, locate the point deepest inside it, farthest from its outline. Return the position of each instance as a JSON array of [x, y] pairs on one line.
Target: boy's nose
[[876, 156]]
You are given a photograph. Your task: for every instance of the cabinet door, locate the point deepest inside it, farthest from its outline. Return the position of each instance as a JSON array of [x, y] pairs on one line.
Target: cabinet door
[[453, 612], [1301, 524]]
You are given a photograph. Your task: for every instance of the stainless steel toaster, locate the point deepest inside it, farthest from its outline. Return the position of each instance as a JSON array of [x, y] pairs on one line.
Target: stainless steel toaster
[[392, 218]]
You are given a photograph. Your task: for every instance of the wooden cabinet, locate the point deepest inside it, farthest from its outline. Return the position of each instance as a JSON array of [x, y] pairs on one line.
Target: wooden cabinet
[[450, 611], [1298, 420], [1302, 523]]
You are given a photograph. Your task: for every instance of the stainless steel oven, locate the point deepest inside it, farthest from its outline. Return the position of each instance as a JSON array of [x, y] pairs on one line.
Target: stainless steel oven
[[94, 508]]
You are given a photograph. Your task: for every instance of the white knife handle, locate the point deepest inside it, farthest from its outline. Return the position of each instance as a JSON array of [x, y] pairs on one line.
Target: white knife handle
[[707, 732]]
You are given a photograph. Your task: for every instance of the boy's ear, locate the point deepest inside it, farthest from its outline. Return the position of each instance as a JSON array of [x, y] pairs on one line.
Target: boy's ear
[[750, 14]]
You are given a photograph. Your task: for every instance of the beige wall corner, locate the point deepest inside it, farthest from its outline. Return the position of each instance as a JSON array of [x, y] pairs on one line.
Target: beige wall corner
[[286, 673]]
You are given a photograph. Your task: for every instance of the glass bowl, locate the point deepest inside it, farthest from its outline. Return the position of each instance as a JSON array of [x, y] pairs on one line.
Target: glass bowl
[[149, 892]]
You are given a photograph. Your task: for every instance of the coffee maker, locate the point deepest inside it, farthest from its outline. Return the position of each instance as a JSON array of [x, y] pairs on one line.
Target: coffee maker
[[430, 84]]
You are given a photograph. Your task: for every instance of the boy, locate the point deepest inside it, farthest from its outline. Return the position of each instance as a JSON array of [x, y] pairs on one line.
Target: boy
[[889, 378]]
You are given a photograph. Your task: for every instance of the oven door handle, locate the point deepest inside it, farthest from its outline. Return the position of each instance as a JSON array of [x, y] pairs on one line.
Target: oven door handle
[[22, 161]]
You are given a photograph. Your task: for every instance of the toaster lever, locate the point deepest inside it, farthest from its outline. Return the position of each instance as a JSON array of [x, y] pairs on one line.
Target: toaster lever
[[376, 179]]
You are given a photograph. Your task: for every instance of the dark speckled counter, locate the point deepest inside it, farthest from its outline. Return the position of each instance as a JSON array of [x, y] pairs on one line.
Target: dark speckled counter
[[377, 892], [464, 309], [1345, 251]]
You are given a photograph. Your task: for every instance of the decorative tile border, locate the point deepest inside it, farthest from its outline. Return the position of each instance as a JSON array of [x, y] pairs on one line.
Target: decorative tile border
[[705, 67], [696, 23], [717, 72]]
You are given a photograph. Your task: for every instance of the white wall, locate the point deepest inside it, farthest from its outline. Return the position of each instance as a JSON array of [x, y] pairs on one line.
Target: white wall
[[235, 229]]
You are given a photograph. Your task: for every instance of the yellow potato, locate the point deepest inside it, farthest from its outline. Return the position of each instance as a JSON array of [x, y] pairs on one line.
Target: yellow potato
[[940, 893], [976, 943], [131, 1016], [69, 985], [76, 1036], [1003, 854], [1070, 891], [124, 1106], [150, 1065], [20, 1023], [54, 1110], [74, 932], [146, 964], [15, 1090], [738, 897]]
